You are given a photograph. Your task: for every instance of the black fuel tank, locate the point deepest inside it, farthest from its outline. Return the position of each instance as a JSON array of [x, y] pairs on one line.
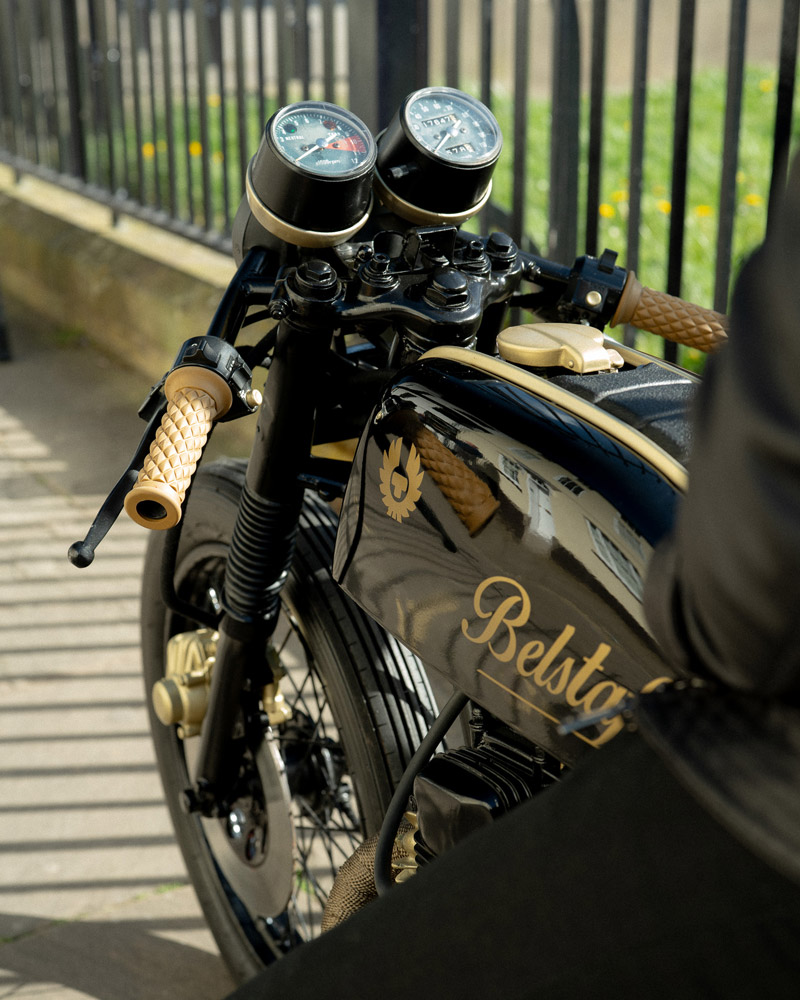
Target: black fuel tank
[[500, 526]]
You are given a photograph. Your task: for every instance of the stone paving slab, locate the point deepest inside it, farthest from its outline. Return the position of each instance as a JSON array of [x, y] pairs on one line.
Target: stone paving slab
[[94, 901]]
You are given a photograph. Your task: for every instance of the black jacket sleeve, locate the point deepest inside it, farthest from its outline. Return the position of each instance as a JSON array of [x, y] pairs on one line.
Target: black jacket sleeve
[[723, 594]]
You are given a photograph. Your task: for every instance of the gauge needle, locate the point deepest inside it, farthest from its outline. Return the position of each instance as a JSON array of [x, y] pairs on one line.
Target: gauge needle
[[449, 133], [321, 143]]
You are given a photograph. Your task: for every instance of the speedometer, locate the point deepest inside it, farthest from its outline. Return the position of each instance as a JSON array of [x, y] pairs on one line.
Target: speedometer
[[452, 126], [435, 159], [310, 181]]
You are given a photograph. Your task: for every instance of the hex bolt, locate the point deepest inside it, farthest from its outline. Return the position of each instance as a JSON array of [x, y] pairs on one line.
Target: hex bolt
[[315, 279], [316, 272], [502, 248], [279, 309], [448, 289]]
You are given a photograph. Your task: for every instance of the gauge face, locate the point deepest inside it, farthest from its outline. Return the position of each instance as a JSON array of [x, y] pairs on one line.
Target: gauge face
[[452, 126], [323, 140]]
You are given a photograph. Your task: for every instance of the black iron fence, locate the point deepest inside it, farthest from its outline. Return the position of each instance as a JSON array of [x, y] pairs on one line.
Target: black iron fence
[[662, 130]]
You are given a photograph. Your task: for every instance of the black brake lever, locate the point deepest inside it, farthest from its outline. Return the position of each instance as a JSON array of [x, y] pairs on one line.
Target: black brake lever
[[81, 554]]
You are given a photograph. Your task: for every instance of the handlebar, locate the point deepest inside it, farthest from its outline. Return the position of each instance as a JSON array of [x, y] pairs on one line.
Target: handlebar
[[432, 286], [670, 317], [195, 397]]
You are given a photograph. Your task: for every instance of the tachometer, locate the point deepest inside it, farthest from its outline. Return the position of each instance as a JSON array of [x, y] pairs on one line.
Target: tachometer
[[435, 159], [310, 181]]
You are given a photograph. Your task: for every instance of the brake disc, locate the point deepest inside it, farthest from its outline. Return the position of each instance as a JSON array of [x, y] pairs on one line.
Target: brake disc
[[253, 844]]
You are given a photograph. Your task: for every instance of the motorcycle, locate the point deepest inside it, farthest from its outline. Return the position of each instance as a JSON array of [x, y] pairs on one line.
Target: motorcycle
[[434, 499]]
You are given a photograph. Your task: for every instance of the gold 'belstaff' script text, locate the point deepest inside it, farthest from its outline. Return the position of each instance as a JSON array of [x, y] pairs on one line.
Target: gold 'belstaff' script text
[[581, 686]]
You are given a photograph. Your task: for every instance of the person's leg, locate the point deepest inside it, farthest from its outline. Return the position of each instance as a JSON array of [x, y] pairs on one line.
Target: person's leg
[[613, 884]]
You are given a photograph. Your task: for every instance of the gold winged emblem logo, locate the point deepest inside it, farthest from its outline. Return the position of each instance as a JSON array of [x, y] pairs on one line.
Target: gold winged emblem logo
[[400, 486]]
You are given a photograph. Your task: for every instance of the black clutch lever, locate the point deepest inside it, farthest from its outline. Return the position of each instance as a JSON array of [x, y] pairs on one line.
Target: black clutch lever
[[81, 554]]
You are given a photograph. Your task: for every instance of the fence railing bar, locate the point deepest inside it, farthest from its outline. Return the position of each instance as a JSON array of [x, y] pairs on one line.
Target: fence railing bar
[[597, 83], [486, 219], [118, 101], [680, 156], [282, 51], [242, 135], [636, 161], [201, 33], [787, 63], [151, 82], [680, 145], [730, 152], [216, 34], [302, 60], [168, 101], [137, 98], [520, 127], [261, 68], [90, 95], [564, 153], [75, 146], [6, 115], [452, 31], [99, 93], [48, 74], [421, 78], [183, 15], [328, 52], [487, 24], [28, 45]]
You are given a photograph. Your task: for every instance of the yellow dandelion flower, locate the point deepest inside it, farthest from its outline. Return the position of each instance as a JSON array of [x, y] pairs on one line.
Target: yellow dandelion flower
[[217, 157], [619, 196], [766, 85], [195, 148], [703, 211], [664, 206], [753, 199], [740, 176], [606, 210], [214, 100], [148, 150]]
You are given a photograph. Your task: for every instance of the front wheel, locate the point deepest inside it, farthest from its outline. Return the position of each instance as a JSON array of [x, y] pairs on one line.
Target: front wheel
[[312, 788]]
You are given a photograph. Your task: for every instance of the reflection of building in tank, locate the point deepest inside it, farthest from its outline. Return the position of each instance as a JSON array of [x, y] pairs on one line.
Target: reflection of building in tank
[[561, 509]]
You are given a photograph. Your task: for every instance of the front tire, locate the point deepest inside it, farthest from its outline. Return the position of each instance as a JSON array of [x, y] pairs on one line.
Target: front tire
[[360, 705]]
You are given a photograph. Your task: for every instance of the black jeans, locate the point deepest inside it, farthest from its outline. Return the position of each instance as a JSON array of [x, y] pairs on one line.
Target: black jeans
[[615, 883]]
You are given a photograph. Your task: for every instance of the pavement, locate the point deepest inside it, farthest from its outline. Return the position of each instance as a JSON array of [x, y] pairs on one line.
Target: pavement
[[94, 899]]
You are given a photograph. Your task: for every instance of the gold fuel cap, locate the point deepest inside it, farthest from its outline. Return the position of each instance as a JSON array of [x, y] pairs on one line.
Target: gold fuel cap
[[579, 349]]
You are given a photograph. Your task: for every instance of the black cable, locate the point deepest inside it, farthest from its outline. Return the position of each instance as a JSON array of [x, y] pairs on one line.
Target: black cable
[[399, 803]]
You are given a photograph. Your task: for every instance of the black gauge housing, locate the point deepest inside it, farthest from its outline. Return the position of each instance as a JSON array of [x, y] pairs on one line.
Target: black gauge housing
[[437, 155], [310, 181]]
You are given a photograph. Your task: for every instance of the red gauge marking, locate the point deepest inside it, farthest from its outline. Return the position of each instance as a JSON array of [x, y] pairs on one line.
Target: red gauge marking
[[353, 142]]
